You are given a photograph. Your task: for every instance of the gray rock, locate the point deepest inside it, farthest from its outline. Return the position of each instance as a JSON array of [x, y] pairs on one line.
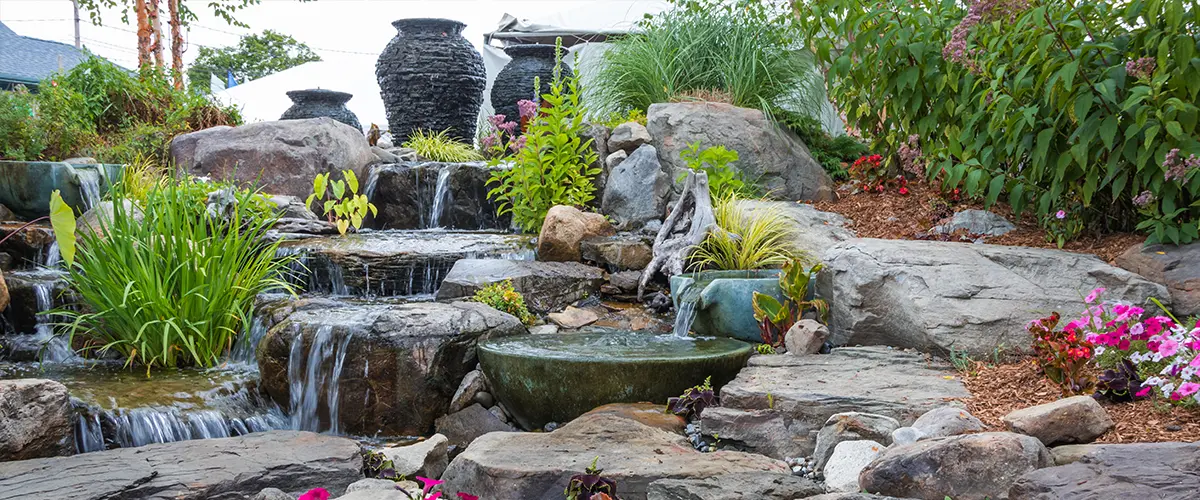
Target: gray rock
[[775, 157], [967, 297], [1175, 266], [813, 231], [598, 134], [35, 419], [805, 337], [385, 142], [462, 428], [409, 358], [547, 286], [1078, 419], [623, 252], [485, 398], [292, 226], [810, 389], [404, 194], [544, 329], [615, 159], [1142, 470], [212, 469], [499, 413], [967, 467], [385, 156], [81, 160], [536, 466], [976, 223], [852, 426], [427, 458], [393, 494], [637, 190], [946, 421], [628, 137], [7, 215], [626, 281], [472, 383], [740, 486], [1071, 453], [273, 494], [564, 230], [573, 317], [906, 435], [281, 157], [371, 484], [291, 207], [849, 458], [851, 496], [765, 432], [95, 220]]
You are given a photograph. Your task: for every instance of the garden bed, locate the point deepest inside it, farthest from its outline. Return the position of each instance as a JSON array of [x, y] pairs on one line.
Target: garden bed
[[1000, 389], [891, 215]]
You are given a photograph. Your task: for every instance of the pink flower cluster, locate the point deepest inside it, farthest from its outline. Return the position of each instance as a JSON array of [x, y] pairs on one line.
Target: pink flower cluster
[[1176, 167], [980, 11], [1141, 67], [910, 156]]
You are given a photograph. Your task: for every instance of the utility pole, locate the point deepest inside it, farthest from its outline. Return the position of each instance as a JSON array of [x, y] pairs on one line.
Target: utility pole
[[78, 43]]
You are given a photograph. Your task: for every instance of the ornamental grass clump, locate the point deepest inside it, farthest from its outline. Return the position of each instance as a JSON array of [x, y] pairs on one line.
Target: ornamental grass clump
[[175, 287], [745, 239], [439, 146]]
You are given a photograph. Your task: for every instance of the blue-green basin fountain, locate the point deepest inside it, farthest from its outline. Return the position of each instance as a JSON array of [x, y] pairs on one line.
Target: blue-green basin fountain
[[25, 187], [555, 378], [721, 302]]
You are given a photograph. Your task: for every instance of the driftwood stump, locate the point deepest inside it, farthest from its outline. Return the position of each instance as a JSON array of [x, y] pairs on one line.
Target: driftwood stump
[[687, 225]]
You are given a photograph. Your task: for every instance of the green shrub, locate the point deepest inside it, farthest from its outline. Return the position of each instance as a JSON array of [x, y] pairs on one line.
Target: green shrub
[[176, 289], [553, 165], [617, 118], [745, 239], [731, 51], [1041, 104], [723, 180], [832, 153], [502, 297], [441, 147], [20, 139]]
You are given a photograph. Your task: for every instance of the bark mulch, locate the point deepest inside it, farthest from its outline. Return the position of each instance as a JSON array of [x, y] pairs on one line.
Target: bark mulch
[[893, 216], [997, 390]]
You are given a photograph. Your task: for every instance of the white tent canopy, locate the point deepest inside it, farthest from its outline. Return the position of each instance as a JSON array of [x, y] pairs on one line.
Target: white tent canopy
[[266, 98]]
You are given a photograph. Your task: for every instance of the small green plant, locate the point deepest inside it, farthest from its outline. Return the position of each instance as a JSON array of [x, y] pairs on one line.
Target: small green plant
[[776, 318], [553, 164], [694, 400], [591, 485], [344, 206], [502, 297], [377, 466], [441, 147], [765, 348], [745, 239], [723, 180], [617, 118]]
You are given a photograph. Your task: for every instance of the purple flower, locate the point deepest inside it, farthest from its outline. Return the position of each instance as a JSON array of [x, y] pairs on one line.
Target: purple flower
[[1176, 168], [496, 120], [1144, 199], [910, 156], [1142, 67], [527, 108], [980, 11], [509, 127], [517, 145], [489, 141], [1062, 214]]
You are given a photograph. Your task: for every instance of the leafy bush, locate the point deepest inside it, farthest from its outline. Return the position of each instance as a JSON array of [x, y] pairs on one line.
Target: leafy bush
[[176, 288], [615, 118], [872, 176], [732, 50], [723, 180], [1044, 104], [502, 297], [833, 153], [441, 147], [20, 139], [745, 240], [342, 205], [553, 164]]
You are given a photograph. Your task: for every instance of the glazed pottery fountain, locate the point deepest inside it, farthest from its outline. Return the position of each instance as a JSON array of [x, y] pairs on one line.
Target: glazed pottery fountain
[[431, 78], [720, 303], [515, 81], [316, 103], [555, 378], [25, 187]]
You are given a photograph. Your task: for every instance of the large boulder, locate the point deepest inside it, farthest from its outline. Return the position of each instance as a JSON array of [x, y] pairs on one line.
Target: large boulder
[[967, 467], [546, 286], [563, 230], [407, 361], [808, 390], [946, 421], [637, 190], [1176, 267], [407, 195], [776, 158], [1119, 471], [280, 157], [95, 220], [740, 486], [625, 251], [537, 466], [765, 432], [1078, 419], [209, 469], [427, 458], [35, 419], [959, 296]]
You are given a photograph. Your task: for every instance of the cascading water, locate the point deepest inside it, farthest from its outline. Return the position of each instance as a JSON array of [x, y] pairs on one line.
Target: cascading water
[[440, 193], [685, 314], [89, 186], [313, 372], [53, 256], [54, 348], [243, 353], [372, 182]]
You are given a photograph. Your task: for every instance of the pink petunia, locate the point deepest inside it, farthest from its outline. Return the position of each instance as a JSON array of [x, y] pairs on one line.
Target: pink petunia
[[1146, 390], [465, 496], [1094, 295], [1168, 348], [315, 494], [1062, 214], [428, 484], [1195, 362]]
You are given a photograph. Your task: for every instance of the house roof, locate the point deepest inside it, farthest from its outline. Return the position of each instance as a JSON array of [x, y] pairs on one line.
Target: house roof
[[28, 60]]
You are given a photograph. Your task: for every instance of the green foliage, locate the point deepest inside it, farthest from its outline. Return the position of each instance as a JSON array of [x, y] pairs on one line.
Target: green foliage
[[554, 166], [176, 288], [764, 348], [502, 297], [723, 180], [1036, 104], [441, 147], [591, 485], [776, 318], [343, 205], [745, 239], [140, 177], [254, 57], [717, 48], [833, 153], [617, 118], [62, 220], [20, 139]]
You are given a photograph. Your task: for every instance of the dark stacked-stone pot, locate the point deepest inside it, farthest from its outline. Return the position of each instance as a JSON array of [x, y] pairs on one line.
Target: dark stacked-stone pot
[[431, 78], [515, 81], [315, 103]]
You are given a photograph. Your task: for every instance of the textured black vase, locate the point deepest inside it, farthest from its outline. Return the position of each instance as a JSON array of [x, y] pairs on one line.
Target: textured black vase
[[431, 78], [315, 103], [515, 81]]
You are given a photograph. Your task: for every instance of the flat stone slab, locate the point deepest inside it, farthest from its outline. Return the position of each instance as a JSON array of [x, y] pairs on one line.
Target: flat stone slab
[[746, 485], [537, 466], [1133, 471], [807, 390], [216, 469], [547, 286]]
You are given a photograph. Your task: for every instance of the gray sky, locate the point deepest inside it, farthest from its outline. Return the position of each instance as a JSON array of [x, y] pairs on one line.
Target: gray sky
[[333, 28]]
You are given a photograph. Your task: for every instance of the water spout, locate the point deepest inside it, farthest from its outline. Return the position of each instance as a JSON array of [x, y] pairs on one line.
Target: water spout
[[440, 193], [685, 314]]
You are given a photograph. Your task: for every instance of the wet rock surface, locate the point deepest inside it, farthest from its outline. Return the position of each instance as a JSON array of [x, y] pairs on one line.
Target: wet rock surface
[[407, 196], [547, 286]]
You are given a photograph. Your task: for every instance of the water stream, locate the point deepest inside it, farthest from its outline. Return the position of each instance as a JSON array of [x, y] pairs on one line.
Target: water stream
[[440, 193], [313, 373], [685, 314], [54, 348], [89, 186]]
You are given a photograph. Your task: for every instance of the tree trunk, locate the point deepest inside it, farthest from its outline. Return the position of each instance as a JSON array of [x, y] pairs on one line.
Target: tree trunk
[[143, 33], [176, 44], [156, 44]]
